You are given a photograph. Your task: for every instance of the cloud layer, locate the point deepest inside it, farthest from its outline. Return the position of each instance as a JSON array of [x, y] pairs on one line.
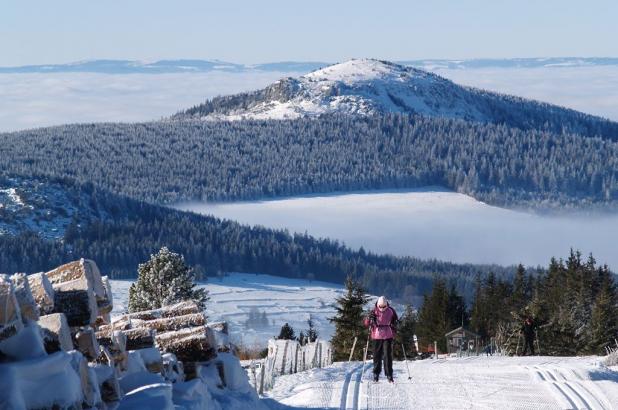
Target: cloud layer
[[36, 100]]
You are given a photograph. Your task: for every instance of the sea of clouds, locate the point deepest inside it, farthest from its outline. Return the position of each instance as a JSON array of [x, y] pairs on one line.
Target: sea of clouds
[[42, 99]]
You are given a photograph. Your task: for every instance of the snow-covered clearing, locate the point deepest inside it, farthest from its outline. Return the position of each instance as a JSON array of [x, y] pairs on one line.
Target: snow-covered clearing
[[283, 300], [456, 383], [430, 223]]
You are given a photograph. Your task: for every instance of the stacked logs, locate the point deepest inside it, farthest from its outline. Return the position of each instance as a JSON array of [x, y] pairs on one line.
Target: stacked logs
[[64, 318], [52, 317], [179, 329]]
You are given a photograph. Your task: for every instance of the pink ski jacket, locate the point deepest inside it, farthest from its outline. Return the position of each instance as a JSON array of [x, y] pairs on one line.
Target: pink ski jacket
[[386, 320]]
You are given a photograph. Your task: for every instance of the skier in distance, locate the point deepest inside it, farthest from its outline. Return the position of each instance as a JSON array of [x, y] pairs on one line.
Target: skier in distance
[[382, 321], [528, 329]]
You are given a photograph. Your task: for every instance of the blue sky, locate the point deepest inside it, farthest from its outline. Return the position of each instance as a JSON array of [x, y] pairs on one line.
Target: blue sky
[[46, 31]]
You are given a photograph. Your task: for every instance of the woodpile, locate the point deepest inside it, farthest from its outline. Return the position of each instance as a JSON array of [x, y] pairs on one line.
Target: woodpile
[[27, 305], [77, 305], [178, 309], [56, 332], [193, 348], [171, 324], [86, 343], [10, 315], [42, 291], [83, 270], [67, 313], [140, 338]]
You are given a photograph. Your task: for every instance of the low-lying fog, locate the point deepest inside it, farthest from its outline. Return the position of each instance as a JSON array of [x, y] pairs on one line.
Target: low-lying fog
[[36, 100], [431, 223]]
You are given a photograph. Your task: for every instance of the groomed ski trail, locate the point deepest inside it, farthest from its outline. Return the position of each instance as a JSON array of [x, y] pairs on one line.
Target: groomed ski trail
[[570, 389], [350, 394], [504, 383]]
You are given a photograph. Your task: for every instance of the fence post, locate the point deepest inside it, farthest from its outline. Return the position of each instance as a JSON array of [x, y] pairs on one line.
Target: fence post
[[261, 391], [285, 354], [352, 351]]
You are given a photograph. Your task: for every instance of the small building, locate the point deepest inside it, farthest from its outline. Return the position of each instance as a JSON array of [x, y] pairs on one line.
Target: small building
[[462, 340]]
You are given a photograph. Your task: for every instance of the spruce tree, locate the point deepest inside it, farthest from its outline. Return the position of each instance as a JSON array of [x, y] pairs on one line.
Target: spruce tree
[[456, 309], [349, 321], [433, 319], [312, 333], [604, 316], [164, 280], [286, 333], [520, 296], [478, 319], [405, 334]]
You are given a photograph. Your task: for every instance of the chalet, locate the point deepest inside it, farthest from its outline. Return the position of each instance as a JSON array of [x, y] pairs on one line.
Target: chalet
[[462, 340]]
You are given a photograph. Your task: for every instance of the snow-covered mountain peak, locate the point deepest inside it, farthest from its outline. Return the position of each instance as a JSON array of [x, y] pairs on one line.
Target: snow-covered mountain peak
[[356, 70], [358, 87], [369, 86]]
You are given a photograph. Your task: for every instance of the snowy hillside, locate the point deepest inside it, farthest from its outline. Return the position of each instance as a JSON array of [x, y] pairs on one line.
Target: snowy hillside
[[43, 207], [475, 382], [368, 86], [238, 295], [357, 87]]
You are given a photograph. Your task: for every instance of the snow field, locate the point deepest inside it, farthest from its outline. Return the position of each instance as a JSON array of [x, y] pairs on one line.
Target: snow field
[[235, 296], [457, 383]]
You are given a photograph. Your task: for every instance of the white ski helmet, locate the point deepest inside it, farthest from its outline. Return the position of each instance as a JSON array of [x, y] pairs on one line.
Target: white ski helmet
[[382, 301]]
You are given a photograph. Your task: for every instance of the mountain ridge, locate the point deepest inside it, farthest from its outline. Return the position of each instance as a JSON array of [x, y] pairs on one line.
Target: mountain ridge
[[112, 66], [370, 87]]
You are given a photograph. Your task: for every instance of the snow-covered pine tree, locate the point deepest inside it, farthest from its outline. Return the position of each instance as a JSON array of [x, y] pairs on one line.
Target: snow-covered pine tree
[[604, 317], [286, 333], [312, 333], [164, 280], [349, 322]]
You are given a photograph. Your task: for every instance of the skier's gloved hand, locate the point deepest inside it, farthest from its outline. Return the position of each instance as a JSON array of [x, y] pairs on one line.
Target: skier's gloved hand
[[372, 317]]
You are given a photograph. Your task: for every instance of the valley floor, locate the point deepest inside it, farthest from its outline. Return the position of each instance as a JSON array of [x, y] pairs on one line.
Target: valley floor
[[455, 383]]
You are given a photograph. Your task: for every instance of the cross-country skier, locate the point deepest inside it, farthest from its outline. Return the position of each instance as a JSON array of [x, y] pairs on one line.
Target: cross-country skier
[[383, 321], [528, 329]]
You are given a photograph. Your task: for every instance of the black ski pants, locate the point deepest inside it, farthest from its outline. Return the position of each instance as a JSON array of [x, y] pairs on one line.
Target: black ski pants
[[383, 350], [529, 342]]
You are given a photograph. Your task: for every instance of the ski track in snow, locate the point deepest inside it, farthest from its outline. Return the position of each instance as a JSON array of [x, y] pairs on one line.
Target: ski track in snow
[[456, 383]]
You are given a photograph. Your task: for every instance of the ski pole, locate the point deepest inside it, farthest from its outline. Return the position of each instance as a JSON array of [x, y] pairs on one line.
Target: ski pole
[[538, 345], [517, 349], [406, 360]]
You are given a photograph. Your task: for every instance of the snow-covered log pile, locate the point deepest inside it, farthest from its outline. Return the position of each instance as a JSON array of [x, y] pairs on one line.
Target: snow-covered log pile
[[49, 356], [60, 349], [178, 329]]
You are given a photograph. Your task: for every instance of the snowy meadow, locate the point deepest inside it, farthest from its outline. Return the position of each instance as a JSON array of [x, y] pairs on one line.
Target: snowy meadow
[[256, 306]]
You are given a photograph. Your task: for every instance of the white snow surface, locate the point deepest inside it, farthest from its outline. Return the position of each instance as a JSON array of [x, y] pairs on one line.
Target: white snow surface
[[40, 382], [360, 86], [455, 383], [234, 296], [430, 223]]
